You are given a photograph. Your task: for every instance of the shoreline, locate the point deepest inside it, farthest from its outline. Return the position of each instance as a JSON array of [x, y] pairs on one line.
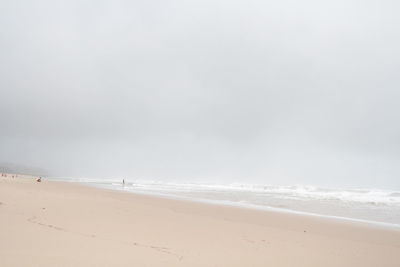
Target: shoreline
[[61, 223], [251, 206]]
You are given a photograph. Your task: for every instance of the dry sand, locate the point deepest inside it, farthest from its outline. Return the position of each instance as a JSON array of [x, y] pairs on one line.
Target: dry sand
[[63, 224]]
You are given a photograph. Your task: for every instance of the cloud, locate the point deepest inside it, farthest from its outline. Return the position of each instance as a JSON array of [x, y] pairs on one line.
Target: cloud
[[299, 92]]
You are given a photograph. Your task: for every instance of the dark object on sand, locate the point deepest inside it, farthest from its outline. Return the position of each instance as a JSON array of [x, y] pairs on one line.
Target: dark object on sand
[[39, 179]]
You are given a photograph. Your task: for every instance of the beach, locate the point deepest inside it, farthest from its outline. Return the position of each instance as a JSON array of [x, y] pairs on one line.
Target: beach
[[68, 224]]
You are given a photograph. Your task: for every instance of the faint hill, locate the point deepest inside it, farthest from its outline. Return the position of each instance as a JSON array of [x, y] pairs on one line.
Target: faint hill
[[22, 169]]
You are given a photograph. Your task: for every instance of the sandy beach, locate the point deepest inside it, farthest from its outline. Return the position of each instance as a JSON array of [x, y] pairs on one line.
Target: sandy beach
[[66, 224]]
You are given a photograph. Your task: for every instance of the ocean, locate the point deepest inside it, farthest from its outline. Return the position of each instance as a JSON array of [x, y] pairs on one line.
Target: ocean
[[376, 206]]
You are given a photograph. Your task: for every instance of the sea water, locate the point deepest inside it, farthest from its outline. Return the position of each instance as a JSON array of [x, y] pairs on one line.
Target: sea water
[[360, 204]]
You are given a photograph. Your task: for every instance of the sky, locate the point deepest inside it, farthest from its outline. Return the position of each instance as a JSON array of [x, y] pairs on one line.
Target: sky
[[272, 92]]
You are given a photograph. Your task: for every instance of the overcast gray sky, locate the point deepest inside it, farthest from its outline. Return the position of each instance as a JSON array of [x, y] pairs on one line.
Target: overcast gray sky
[[283, 92]]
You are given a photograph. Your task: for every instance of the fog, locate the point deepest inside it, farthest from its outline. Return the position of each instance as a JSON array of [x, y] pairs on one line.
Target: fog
[[274, 92]]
